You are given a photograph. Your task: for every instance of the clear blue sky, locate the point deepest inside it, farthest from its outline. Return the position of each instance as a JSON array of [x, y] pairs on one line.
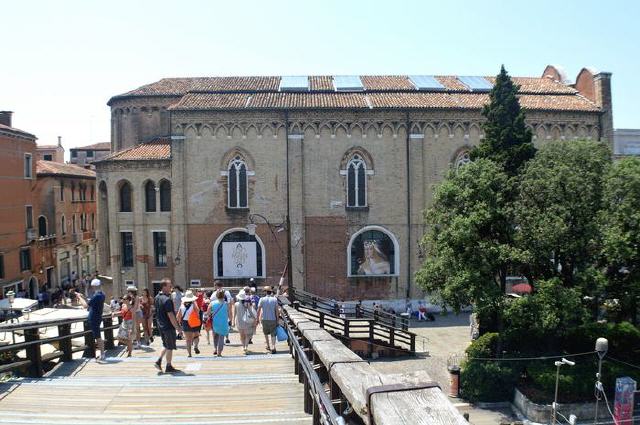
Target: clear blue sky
[[62, 60]]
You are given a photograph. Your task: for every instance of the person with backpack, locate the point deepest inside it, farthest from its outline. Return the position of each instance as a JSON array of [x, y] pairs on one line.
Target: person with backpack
[[189, 316], [218, 311], [245, 316], [268, 313]]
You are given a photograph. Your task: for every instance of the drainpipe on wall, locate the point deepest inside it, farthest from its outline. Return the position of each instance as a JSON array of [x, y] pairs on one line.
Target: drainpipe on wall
[[289, 260], [408, 158]]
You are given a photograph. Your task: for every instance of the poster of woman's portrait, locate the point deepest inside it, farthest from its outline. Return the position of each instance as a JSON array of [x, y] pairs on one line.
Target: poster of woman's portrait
[[372, 254]]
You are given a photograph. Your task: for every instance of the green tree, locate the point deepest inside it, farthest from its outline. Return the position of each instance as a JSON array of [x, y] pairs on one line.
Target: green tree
[[560, 197], [620, 227], [507, 140], [469, 242]]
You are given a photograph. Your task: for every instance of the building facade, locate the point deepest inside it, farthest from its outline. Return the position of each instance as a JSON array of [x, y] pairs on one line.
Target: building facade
[[86, 155], [17, 209], [322, 179], [66, 246], [53, 153], [626, 142]]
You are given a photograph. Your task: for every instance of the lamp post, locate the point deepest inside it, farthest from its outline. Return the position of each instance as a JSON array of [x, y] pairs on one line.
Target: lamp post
[[602, 346], [554, 406], [251, 230]]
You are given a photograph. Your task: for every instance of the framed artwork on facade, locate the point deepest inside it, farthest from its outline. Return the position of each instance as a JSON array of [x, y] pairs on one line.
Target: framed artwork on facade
[[373, 252], [238, 255]]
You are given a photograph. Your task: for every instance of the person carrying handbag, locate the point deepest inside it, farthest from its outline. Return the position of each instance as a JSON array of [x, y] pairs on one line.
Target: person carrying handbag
[[219, 313], [245, 316]]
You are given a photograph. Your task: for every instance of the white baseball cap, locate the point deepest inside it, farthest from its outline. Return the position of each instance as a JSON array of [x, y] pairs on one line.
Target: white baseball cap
[[95, 282]]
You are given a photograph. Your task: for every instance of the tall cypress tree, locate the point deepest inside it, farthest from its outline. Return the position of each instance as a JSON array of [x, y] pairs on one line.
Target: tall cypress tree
[[506, 139]]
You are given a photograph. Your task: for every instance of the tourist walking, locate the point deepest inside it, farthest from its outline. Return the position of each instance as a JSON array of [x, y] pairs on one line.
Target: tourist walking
[[146, 305], [268, 313], [206, 319], [167, 324], [229, 300], [245, 316], [125, 332], [218, 311], [189, 318], [137, 314], [95, 305]]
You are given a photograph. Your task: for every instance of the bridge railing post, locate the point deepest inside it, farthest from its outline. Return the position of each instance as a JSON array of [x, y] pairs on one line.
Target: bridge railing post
[[307, 396], [89, 342], [321, 324], [107, 322], [346, 327], [412, 344], [65, 343], [372, 324], [33, 352]]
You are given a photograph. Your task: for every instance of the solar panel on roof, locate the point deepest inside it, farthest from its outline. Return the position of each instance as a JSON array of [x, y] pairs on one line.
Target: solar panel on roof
[[476, 83], [425, 82], [294, 83], [347, 83]]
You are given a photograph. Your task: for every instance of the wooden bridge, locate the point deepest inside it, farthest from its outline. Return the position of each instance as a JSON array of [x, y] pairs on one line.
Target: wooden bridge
[[314, 379]]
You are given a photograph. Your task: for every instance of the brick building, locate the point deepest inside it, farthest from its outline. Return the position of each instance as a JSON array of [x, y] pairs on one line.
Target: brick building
[[66, 215], [53, 153], [17, 225], [331, 173], [86, 155]]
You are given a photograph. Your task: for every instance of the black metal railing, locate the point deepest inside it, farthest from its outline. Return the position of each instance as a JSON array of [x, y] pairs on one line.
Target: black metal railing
[[33, 361]]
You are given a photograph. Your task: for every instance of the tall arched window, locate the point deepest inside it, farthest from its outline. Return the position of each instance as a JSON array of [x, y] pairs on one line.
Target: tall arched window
[[356, 182], [462, 159], [42, 226], [125, 197], [165, 195], [63, 225], [150, 196], [237, 183]]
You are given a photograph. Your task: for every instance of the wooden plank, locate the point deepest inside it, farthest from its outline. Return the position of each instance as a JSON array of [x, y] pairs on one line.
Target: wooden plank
[[312, 335]]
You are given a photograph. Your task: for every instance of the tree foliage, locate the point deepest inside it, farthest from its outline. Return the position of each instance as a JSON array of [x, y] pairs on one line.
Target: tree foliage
[[507, 141], [469, 244], [559, 197]]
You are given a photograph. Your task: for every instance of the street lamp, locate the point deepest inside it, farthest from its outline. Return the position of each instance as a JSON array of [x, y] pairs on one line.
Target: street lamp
[[554, 406], [602, 346], [251, 230]]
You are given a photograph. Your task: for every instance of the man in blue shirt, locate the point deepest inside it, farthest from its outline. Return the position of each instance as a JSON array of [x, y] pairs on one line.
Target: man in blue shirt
[[95, 305]]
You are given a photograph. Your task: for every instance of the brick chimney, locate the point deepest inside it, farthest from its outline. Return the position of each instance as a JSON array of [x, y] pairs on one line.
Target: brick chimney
[[602, 89], [5, 118]]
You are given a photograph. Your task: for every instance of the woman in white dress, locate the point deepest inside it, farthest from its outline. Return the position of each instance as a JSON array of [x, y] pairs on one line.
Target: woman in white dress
[[375, 263]]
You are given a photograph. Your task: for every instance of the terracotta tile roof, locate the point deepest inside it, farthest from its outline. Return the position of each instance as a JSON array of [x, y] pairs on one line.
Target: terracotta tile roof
[[5, 129], [381, 91], [50, 168], [159, 148], [103, 146]]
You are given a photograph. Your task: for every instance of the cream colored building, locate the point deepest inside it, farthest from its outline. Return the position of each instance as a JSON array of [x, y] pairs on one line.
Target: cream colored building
[[334, 171]]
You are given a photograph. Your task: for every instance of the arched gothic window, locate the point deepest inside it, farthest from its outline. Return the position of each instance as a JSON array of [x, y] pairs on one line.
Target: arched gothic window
[[237, 183], [150, 196], [462, 159], [42, 226], [165, 195], [125, 197], [356, 182]]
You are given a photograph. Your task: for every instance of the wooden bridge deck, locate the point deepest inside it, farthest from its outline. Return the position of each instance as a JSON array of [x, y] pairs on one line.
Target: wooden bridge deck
[[234, 389]]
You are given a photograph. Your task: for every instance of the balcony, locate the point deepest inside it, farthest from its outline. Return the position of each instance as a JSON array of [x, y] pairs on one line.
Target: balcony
[[31, 235]]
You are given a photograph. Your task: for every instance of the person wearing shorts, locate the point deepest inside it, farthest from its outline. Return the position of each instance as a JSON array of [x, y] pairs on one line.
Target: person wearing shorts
[[268, 313], [167, 324]]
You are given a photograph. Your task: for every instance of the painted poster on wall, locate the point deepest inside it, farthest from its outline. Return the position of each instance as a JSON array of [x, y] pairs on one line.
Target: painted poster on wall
[[372, 254], [239, 259]]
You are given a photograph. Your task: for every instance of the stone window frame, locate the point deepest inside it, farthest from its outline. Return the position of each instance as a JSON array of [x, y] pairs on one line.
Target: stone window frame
[[396, 247], [150, 196], [461, 158], [237, 154], [364, 159], [121, 185], [164, 195], [28, 166], [63, 225], [46, 226]]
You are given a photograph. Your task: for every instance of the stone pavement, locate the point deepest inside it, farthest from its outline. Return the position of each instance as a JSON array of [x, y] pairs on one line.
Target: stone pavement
[[448, 335]]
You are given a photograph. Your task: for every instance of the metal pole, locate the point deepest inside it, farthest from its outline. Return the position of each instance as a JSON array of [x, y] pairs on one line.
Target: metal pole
[[598, 387], [555, 397]]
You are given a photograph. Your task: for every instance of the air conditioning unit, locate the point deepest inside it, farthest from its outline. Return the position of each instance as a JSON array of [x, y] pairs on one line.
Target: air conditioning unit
[[31, 235]]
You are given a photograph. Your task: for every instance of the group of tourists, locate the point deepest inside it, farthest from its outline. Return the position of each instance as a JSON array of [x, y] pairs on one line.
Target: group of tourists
[[186, 315]]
